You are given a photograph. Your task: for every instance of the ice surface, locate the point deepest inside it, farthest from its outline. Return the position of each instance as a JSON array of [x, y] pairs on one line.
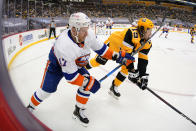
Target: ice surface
[[172, 69]]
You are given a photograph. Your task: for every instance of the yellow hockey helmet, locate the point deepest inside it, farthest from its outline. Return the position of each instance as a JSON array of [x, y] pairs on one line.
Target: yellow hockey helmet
[[144, 24]]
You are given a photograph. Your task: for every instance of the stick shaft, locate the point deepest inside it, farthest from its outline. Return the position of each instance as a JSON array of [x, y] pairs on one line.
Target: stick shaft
[[111, 72], [179, 112]]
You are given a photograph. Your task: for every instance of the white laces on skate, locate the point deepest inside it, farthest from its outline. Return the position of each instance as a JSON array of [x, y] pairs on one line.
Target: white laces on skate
[[82, 113], [116, 89]]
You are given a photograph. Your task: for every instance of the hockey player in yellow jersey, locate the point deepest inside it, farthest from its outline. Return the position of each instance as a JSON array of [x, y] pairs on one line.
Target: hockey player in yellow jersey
[[129, 40], [192, 32]]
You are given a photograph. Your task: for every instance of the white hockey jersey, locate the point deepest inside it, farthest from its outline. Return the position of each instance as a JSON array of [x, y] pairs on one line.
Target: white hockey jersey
[[166, 27], [109, 22], [67, 51]]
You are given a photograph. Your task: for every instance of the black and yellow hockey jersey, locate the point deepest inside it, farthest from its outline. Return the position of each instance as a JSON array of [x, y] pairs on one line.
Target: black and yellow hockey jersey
[[192, 31], [130, 40]]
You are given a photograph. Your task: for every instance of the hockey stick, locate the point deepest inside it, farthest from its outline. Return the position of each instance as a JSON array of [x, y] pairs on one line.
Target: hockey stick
[[179, 112], [135, 52]]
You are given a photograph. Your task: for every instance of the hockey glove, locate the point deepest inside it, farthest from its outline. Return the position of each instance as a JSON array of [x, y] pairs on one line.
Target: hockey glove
[[133, 75], [123, 58], [142, 81]]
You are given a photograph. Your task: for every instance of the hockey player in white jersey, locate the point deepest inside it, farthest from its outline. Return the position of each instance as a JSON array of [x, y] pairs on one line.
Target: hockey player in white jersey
[[134, 24], [67, 59], [109, 24], [165, 30], [100, 26]]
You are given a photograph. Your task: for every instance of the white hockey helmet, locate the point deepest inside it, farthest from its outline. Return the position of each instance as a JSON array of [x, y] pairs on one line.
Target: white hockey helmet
[[79, 20]]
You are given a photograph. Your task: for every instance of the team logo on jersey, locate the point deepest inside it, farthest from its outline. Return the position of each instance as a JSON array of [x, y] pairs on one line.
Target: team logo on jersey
[[82, 61]]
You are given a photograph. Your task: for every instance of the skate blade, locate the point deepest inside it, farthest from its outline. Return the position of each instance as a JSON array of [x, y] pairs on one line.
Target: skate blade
[[112, 94], [78, 120]]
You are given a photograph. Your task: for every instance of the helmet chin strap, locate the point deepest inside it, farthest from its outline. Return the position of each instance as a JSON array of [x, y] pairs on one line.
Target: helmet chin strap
[[76, 36]]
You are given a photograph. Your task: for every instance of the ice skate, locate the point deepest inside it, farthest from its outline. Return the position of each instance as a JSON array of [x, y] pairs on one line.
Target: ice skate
[[114, 91], [30, 108], [78, 114]]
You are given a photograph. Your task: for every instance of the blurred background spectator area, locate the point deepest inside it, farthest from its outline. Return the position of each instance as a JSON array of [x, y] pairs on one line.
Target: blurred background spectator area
[[24, 15]]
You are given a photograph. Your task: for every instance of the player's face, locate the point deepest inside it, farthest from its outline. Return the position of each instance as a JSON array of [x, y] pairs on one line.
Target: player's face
[[82, 34], [147, 34]]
